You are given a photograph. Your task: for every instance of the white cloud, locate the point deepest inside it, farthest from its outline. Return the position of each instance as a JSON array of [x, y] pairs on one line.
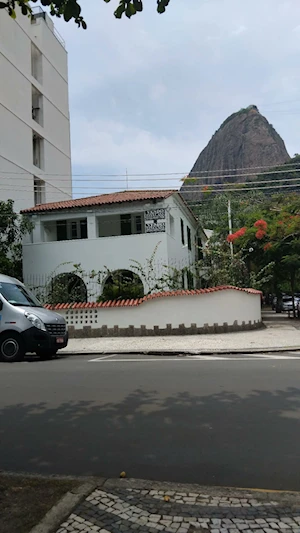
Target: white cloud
[[105, 142], [148, 93], [157, 91], [239, 30]]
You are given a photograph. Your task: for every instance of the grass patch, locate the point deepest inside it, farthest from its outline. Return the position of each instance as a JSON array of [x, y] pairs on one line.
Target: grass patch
[[24, 501]]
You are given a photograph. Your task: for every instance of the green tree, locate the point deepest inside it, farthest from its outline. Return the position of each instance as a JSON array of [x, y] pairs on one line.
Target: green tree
[[12, 229], [271, 232], [71, 9], [286, 176], [212, 211]]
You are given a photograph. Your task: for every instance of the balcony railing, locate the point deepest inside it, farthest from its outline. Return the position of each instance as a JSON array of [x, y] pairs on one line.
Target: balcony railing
[[38, 12]]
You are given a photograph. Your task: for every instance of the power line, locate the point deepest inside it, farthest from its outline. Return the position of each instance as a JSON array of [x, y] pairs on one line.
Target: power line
[[195, 186], [190, 187], [157, 173], [95, 210], [83, 189], [189, 204]]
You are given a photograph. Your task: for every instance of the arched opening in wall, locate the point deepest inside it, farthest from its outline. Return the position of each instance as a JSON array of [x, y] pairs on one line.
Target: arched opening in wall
[[122, 285], [67, 288]]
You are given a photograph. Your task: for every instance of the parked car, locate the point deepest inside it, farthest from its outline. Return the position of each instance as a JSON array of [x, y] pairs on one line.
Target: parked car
[[25, 325], [287, 302]]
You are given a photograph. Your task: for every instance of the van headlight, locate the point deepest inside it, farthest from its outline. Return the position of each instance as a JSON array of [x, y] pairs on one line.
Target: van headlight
[[36, 321]]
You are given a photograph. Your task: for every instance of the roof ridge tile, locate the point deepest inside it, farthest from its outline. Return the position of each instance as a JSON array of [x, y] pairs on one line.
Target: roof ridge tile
[[132, 302]]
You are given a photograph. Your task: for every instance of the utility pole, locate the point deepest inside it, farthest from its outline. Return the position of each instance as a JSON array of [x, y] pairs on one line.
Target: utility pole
[[230, 226], [126, 179]]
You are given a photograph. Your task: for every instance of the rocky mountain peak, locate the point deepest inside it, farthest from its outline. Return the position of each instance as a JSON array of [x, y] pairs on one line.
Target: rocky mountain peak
[[244, 140]]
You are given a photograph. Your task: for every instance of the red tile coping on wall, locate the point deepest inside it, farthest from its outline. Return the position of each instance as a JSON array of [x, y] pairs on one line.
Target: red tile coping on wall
[[102, 199], [139, 301]]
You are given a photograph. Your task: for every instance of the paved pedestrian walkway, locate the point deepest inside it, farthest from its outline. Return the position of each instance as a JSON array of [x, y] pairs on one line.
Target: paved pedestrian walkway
[[283, 335], [138, 508]]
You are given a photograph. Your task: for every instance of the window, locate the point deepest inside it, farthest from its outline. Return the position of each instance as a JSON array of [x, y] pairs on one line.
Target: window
[[67, 230], [37, 105], [171, 226], [39, 191], [74, 233], [83, 228], [126, 224], [200, 249], [182, 231], [37, 150], [17, 295], [138, 224], [189, 238], [36, 63], [61, 229]]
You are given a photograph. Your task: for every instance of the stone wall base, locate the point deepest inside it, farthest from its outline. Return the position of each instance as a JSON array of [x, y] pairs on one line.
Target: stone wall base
[[131, 331]]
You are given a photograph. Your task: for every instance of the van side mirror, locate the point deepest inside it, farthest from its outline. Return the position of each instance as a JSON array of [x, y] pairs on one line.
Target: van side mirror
[[1, 305]]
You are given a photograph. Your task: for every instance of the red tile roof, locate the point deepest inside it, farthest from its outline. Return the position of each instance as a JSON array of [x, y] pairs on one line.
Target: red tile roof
[[102, 199], [139, 301]]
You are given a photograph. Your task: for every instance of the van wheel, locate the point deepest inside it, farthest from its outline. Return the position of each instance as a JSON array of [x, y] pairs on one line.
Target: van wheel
[[45, 355], [11, 348]]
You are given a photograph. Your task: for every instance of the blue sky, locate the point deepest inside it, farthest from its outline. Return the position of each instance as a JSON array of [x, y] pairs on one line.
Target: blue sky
[[147, 94]]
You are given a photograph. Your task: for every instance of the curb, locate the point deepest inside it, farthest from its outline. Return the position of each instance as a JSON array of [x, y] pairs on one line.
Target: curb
[[59, 512], [171, 352], [264, 494], [62, 510]]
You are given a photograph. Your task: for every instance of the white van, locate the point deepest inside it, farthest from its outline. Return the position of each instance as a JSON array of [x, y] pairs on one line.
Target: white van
[[25, 325]]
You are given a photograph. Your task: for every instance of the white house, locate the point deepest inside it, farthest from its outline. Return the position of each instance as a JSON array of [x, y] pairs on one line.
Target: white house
[[35, 160], [111, 231]]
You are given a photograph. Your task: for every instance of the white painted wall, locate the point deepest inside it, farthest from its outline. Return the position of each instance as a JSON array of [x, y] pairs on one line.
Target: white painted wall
[[211, 308], [16, 124], [95, 253], [175, 247]]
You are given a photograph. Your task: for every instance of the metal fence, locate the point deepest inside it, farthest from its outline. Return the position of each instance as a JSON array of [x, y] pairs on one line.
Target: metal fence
[[77, 285]]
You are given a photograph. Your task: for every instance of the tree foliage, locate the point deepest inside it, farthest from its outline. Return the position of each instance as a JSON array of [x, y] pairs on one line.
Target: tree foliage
[[286, 177], [270, 232], [265, 238], [12, 229], [71, 9]]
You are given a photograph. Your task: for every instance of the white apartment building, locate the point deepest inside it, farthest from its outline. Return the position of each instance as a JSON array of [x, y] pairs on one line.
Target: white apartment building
[[111, 231], [35, 155]]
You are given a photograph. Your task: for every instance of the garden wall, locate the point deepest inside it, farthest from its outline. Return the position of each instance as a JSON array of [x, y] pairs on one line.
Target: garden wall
[[215, 310]]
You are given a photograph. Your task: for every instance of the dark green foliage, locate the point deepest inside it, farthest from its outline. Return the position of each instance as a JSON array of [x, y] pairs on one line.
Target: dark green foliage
[[70, 9], [12, 229], [287, 176], [66, 288], [122, 285]]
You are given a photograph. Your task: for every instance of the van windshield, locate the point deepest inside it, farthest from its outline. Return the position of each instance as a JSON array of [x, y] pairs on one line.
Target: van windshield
[[18, 295]]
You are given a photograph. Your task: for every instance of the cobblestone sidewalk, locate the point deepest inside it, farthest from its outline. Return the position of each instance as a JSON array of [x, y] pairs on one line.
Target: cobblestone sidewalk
[[122, 509]]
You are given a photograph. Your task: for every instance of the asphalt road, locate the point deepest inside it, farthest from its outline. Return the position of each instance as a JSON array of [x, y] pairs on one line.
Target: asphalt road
[[230, 422]]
